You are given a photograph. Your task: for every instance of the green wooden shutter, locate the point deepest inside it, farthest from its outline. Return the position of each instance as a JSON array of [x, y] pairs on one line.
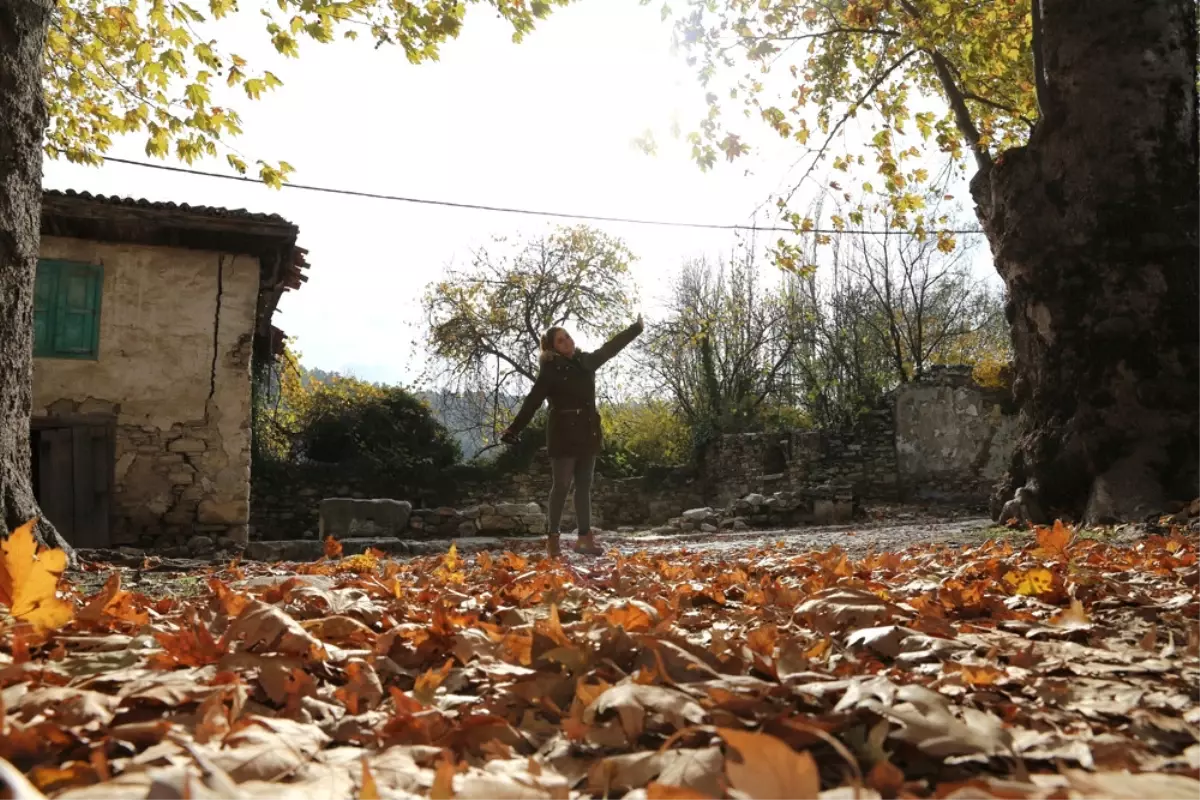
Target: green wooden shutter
[[77, 311], [43, 308]]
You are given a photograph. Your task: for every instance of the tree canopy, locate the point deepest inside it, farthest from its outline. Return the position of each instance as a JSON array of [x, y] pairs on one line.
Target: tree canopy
[[155, 67], [809, 68], [485, 321]]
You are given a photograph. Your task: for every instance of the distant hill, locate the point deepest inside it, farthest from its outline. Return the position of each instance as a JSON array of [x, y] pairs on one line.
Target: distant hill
[[462, 415]]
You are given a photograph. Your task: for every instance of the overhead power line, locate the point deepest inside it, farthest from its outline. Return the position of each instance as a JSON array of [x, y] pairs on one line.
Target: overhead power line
[[524, 211]]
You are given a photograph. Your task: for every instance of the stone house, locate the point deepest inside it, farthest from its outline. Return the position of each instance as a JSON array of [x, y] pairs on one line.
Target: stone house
[[148, 321]]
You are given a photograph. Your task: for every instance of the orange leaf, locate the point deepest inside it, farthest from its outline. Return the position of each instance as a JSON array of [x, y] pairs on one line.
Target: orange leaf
[[443, 781], [1053, 542], [766, 767], [29, 576], [886, 778], [369, 790], [93, 610], [631, 617], [427, 683], [1073, 617], [333, 548], [231, 602], [662, 791], [762, 640]]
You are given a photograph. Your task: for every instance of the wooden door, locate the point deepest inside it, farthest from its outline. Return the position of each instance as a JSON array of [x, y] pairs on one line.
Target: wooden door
[[74, 465]]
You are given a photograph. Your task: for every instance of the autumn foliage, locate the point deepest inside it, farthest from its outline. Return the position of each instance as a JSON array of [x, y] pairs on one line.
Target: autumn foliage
[[1064, 669]]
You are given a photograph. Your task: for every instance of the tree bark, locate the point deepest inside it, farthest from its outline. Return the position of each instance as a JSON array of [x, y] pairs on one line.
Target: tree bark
[[23, 26], [1094, 228]]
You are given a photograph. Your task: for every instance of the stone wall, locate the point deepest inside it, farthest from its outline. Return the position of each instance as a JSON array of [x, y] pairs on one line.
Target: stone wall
[[173, 373], [649, 499], [286, 500], [942, 439], [953, 439], [862, 458]]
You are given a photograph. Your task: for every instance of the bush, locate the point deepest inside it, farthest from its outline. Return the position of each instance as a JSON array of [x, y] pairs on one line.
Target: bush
[[640, 435], [384, 427]]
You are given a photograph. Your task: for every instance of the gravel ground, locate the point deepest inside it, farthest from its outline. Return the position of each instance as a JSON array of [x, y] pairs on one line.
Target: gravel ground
[[885, 529], [856, 539]]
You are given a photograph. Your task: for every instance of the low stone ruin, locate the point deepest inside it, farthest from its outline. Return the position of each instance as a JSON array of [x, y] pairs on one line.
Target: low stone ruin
[[828, 504], [352, 518]]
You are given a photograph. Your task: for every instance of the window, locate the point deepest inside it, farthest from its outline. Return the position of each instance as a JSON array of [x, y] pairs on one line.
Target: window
[[66, 309]]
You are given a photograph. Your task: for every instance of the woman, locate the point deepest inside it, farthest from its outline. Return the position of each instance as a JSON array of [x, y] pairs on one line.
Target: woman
[[567, 379]]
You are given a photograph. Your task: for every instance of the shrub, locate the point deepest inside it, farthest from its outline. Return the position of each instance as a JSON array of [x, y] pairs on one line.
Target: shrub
[[643, 434], [384, 427]]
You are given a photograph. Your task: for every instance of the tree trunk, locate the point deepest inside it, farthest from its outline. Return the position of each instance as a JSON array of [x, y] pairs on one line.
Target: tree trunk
[[23, 25], [1094, 228]]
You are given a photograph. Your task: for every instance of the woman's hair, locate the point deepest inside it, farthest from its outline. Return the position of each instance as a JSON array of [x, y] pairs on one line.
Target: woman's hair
[[548, 351]]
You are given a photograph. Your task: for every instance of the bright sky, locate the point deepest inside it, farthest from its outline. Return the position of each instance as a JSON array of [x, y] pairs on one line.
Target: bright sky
[[547, 124]]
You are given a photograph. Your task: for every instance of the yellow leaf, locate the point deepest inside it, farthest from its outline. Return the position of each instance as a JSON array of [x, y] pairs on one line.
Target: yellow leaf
[[1032, 582], [29, 580]]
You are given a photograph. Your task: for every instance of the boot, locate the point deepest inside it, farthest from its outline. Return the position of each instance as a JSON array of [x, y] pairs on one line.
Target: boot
[[552, 548], [587, 544]]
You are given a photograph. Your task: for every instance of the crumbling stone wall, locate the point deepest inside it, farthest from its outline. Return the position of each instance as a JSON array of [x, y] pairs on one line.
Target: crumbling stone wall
[[953, 438], [173, 372], [862, 458], [941, 439], [286, 499]]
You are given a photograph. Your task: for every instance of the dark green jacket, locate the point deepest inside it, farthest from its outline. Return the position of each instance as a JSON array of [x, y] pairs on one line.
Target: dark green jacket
[[573, 429]]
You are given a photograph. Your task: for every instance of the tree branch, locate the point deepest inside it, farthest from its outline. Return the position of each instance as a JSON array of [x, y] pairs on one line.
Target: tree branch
[[1041, 90], [962, 115]]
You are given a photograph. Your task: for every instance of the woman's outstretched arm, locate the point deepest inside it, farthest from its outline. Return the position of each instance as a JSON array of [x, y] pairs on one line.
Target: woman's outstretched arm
[[615, 345], [533, 401]]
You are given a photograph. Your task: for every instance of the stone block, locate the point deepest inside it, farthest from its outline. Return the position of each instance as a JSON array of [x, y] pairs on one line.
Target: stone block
[[697, 515], [832, 511], [187, 445], [497, 523], [342, 517], [227, 512]]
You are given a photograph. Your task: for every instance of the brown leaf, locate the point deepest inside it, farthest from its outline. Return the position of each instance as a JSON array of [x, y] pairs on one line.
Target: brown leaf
[[762, 766], [634, 702], [267, 629], [837, 609]]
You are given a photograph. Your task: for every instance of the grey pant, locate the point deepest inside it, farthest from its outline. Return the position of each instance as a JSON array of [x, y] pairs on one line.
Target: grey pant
[[564, 471]]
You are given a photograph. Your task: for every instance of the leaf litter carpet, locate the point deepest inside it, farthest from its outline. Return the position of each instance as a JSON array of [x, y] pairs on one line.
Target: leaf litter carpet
[[1065, 669]]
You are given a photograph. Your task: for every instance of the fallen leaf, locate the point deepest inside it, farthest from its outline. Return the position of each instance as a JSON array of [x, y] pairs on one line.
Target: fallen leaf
[[1073, 617], [29, 575], [838, 609], [765, 767]]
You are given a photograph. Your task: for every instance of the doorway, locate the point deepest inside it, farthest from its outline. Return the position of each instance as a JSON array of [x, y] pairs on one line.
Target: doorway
[[73, 464]]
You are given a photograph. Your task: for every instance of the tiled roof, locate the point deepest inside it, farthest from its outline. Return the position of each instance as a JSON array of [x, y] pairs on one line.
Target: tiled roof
[[130, 202], [268, 236]]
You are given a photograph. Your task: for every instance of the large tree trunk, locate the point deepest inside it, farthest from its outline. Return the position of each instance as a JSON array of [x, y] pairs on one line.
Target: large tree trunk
[[1093, 226], [23, 25]]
